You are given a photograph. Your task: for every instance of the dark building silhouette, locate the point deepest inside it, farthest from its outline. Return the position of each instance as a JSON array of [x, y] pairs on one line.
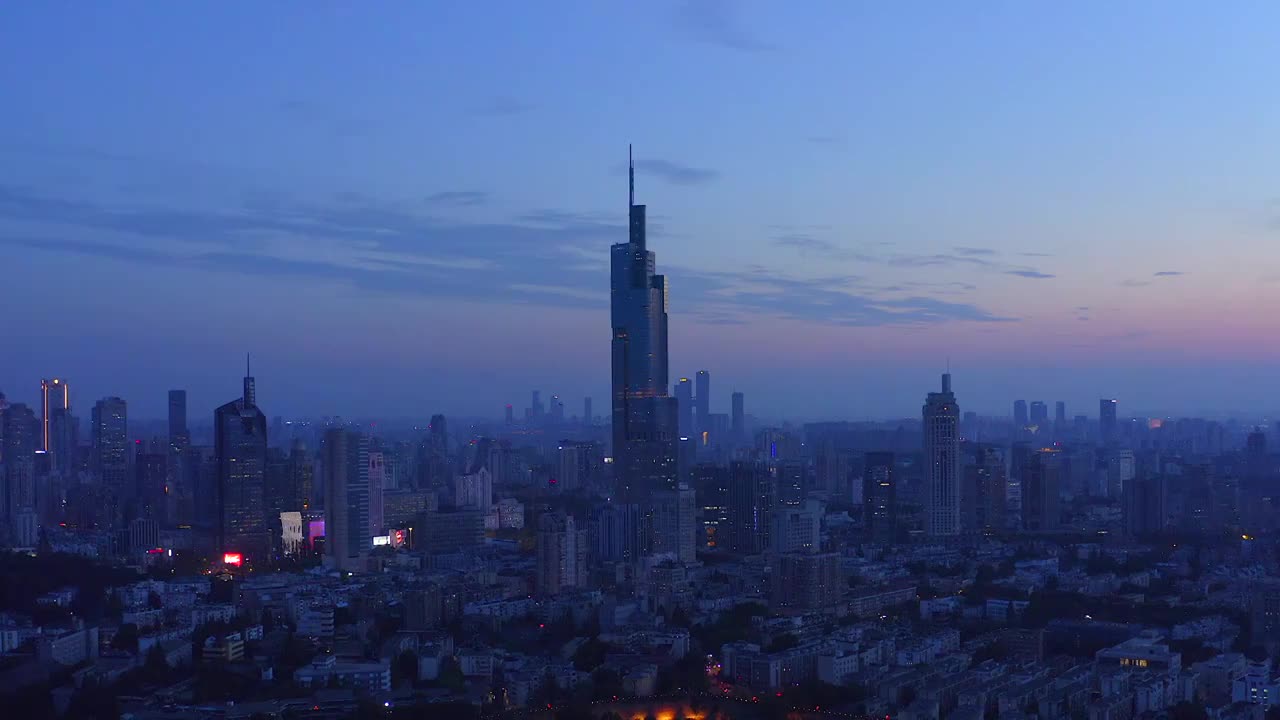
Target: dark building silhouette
[[21, 433], [645, 423], [1107, 421], [1039, 416], [942, 461], [738, 422], [346, 485], [1040, 484], [1020, 417], [985, 493], [240, 452], [751, 504], [880, 496], [703, 394]]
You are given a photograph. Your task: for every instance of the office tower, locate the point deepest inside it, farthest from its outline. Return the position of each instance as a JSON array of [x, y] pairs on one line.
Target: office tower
[[422, 608], [445, 532], [535, 406], [290, 479], [377, 483], [437, 466], [151, 473], [942, 461], [1107, 421], [240, 449], [21, 433], [1020, 417], [711, 483], [1060, 415], [572, 468], [703, 400], [619, 530], [54, 394], [178, 468], [675, 523], [644, 416], [587, 418], [1039, 416], [110, 443], [177, 412], [751, 501], [797, 529], [791, 480], [1121, 468], [1146, 505], [509, 419], [805, 582], [345, 468], [557, 410], [986, 493], [833, 470], [562, 549], [684, 400], [879, 499], [738, 425], [1040, 487], [474, 490]]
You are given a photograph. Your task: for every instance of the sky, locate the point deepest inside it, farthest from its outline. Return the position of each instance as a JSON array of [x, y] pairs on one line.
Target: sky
[[406, 208]]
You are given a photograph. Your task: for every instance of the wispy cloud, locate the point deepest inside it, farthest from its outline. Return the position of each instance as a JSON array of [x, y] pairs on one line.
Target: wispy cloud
[[974, 251], [1033, 274], [458, 198], [1169, 273], [1136, 283], [676, 173], [717, 22]]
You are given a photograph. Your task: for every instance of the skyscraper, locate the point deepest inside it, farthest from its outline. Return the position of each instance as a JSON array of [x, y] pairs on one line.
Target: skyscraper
[[54, 394], [562, 550], [178, 471], [346, 504], [644, 415], [684, 399], [1020, 417], [703, 391], [177, 413], [1039, 415], [1040, 486], [675, 518], [1107, 420], [879, 503], [738, 426], [1060, 415], [984, 500], [21, 434], [942, 461], [751, 503], [110, 444], [240, 450]]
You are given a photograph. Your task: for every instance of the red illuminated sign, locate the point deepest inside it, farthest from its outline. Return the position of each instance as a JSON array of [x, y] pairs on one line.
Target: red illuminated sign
[[232, 558]]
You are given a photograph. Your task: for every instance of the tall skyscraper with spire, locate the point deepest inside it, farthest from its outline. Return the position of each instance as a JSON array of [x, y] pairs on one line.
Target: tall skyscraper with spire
[[240, 446], [644, 415], [942, 461]]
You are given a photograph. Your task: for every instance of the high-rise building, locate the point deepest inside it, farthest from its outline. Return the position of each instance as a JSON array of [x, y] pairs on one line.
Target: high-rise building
[[587, 417], [645, 432], [797, 528], [240, 449], [54, 394], [474, 490], [345, 467], [179, 472], [177, 412], [675, 524], [21, 433], [111, 444], [535, 406], [1146, 505], [151, 494], [703, 400], [1060, 415], [1040, 488], [1039, 416], [985, 495], [562, 554], [1121, 468], [751, 503], [942, 461], [619, 532], [879, 500], [684, 400], [510, 417], [805, 582], [1020, 417], [557, 410], [738, 425], [1107, 421], [377, 483]]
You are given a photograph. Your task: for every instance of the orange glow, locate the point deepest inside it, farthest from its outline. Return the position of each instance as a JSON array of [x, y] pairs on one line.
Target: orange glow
[[232, 559]]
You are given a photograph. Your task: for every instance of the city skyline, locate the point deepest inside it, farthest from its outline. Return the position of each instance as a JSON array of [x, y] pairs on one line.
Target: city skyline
[[910, 196]]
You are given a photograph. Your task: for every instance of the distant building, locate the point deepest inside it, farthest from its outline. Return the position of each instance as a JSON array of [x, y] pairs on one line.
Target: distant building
[[345, 466], [880, 503], [942, 462], [562, 554], [240, 449], [797, 529], [738, 420], [110, 434], [675, 524], [805, 582], [1107, 421], [751, 502], [1040, 490]]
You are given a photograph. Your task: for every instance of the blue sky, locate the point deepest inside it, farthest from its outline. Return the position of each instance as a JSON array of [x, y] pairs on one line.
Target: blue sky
[[403, 208]]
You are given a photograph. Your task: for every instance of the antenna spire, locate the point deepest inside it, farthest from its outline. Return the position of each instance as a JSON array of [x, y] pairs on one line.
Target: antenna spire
[[631, 176]]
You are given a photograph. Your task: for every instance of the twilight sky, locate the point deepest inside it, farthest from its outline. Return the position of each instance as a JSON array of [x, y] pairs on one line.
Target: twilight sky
[[406, 208]]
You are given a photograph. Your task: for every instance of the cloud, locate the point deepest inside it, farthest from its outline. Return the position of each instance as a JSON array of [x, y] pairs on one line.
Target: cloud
[[1035, 254], [500, 106], [973, 251], [675, 173], [458, 198], [806, 244], [716, 22], [1033, 274], [1135, 283], [1169, 273]]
